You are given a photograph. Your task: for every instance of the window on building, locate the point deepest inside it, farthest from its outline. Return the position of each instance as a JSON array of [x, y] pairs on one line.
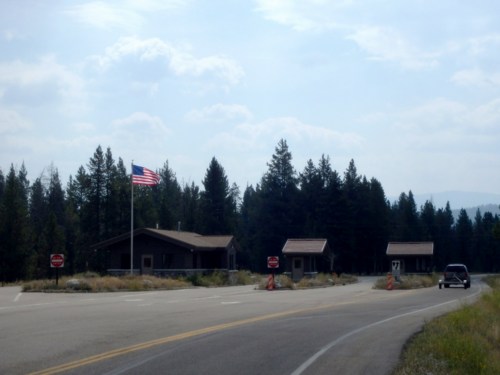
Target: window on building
[[125, 261], [167, 260]]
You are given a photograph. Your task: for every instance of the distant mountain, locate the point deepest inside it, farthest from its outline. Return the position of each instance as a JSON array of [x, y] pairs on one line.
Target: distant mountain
[[471, 211], [458, 199], [470, 201]]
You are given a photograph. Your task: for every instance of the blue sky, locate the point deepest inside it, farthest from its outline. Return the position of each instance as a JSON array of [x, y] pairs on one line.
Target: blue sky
[[408, 89]]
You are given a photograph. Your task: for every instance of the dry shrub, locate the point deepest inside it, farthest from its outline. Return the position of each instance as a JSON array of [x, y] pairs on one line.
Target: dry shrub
[[93, 283], [243, 278]]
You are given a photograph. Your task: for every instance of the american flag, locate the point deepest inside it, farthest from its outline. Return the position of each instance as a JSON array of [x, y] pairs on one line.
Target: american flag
[[144, 176]]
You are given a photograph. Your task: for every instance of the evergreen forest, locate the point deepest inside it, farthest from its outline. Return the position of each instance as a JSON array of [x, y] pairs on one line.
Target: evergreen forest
[[41, 217]]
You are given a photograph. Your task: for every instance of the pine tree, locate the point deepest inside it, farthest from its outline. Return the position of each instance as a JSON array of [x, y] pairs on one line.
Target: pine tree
[[378, 229], [427, 218], [56, 197], [406, 221], [278, 211], [38, 210], [2, 184], [217, 205], [312, 189], [348, 258], [333, 208], [15, 238], [444, 242], [248, 228], [169, 198], [190, 208], [464, 234], [78, 214], [96, 196]]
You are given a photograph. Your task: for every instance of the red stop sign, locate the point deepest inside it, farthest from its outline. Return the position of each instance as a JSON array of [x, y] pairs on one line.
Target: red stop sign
[[273, 262], [57, 260]]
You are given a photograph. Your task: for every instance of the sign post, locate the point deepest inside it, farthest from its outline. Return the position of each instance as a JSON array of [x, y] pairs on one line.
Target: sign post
[[273, 262], [396, 268], [57, 261]]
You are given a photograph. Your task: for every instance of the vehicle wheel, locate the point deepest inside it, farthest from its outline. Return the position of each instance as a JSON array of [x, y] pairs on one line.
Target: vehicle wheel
[[446, 286], [440, 286]]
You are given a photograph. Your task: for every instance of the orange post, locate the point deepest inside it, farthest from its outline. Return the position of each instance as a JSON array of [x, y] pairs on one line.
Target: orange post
[[270, 282], [390, 281]]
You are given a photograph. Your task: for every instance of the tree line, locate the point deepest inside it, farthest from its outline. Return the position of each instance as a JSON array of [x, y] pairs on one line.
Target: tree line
[[352, 212]]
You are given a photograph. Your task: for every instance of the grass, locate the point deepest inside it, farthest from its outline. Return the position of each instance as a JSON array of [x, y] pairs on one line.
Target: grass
[[91, 282], [466, 341]]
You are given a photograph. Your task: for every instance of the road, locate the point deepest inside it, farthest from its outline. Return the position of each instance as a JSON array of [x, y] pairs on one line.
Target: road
[[349, 329]]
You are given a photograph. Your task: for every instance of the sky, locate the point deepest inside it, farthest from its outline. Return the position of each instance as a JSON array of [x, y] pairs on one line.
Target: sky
[[409, 90]]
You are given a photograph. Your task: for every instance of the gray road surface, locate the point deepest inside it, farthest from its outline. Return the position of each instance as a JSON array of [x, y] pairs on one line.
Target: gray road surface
[[350, 329]]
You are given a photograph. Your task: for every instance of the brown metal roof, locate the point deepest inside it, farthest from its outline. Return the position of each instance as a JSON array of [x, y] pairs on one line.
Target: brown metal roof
[[410, 248], [186, 239], [195, 239], [305, 246]]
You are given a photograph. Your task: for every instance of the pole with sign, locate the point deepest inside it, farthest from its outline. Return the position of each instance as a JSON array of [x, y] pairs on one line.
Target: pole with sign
[[57, 261], [273, 262], [396, 269]]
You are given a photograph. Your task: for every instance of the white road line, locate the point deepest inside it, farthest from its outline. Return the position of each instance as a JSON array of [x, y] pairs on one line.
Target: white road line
[[327, 347], [17, 297], [230, 303], [31, 305]]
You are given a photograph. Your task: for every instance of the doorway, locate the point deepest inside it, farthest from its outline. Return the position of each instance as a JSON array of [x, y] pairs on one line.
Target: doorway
[[297, 269], [147, 265]]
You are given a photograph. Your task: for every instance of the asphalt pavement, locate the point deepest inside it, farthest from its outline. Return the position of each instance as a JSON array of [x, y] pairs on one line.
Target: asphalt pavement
[[351, 329]]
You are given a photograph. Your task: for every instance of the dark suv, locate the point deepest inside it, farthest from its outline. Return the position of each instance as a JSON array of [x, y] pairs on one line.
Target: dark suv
[[455, 274]]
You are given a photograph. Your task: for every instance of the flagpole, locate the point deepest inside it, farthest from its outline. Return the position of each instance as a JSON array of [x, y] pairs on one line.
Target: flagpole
[[132, 220]]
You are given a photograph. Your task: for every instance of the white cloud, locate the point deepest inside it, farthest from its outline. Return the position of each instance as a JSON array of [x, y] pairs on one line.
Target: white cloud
[[150, 88], [256, 135], [381, 43], [483, 46], [157, 5], [437, 114], [476, 77], [387, 44], [219, 113], [141, 122], [305, 15], [487, 116], [129, 15], [47, 73], [438, 127], [12, 122], [180, 62], [104, 16], [11, 35], [84, 127]]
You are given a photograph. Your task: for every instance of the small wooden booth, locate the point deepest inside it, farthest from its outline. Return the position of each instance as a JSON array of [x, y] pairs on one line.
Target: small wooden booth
[[307, 257], [411, 257]]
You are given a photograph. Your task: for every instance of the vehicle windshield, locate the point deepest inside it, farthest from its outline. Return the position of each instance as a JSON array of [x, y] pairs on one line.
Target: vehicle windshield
[[455, 269]]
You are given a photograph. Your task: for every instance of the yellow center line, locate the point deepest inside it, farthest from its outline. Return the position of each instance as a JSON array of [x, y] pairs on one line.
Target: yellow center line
[[164, 340]]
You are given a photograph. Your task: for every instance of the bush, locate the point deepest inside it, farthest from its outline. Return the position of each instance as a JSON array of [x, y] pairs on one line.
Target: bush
[[95, 283], [243, 278], [213, 279]]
